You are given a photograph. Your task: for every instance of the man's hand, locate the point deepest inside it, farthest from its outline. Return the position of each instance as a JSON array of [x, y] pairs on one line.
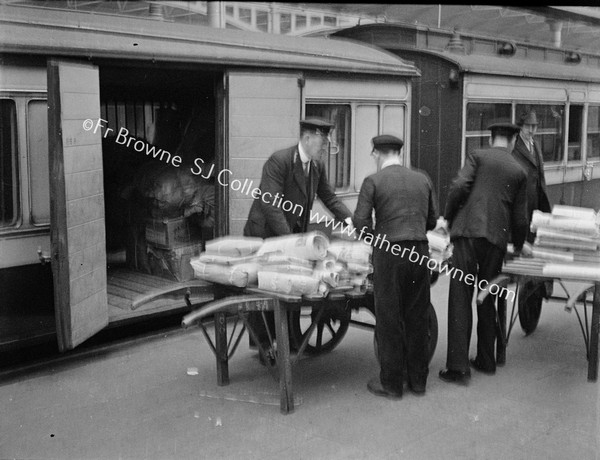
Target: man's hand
[[349, 230], [441, 226], [527, 250]]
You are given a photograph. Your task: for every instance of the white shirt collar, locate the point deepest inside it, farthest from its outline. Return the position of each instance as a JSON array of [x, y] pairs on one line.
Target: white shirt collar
[[303, 156], [390, 162], [528, 143]]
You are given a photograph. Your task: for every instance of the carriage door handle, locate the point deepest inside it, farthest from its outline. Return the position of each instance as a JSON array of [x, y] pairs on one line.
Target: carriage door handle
[[44, 257], [588, 170]]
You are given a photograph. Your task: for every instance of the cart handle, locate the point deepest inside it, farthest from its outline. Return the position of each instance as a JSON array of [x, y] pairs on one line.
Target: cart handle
[[501, 281], [232, 305], [578, 296]]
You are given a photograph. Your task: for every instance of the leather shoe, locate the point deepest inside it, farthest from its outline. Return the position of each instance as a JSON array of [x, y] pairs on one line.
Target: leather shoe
[[418, 389], [452, 376], [375, 387], [475, 365]]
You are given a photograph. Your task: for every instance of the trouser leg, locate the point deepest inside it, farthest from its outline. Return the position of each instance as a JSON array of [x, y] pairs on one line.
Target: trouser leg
[[460, 314], [416, 287], [389, 329], [490, 264]]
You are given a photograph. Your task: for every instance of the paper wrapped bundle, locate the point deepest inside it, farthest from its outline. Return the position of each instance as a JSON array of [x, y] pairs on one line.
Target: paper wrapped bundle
[[351, 251], [287, 268], [440, 248], [588, 227], [234, 246], [282, 259], [579, 271], [288, 283], [227, 260], [240, 275], [309, 246], [567, 244], [574, 212], [328, 277]]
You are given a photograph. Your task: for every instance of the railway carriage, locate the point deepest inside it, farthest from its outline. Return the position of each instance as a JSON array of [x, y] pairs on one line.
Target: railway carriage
[[467, 81], [92, 106]]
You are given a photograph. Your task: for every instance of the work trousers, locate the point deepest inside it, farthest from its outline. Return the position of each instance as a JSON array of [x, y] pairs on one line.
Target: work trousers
[[401, 289], [481, 259]]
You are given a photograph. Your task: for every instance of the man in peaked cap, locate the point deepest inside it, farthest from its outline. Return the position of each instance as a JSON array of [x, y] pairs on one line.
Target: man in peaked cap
[[405, 208], [295, 175], [486, 205], [528, 153]]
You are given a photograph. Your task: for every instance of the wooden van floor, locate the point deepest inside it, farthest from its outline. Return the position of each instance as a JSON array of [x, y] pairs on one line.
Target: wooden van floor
[[133, 297]]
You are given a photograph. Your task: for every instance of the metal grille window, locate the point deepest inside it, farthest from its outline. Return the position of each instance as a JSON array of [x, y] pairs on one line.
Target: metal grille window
[[9, 191], [338, 164], [550, 128], [593, 133]]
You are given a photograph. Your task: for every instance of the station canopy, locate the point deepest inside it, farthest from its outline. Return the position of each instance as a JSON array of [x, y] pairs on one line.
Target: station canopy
[[579, 27], [573, 28]]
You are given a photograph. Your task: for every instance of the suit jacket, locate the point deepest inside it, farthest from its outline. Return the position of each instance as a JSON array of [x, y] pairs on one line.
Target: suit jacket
[[283, 174], [404, 203], [488, 199], [533, 164]]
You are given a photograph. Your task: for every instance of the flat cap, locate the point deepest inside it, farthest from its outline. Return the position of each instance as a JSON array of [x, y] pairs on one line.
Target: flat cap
[[387, 141], [316, 123], [505, 127], [529, 118]]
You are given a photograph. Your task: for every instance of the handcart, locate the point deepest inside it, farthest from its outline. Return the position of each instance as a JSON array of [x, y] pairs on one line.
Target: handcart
[[303, 324], [525, 275]]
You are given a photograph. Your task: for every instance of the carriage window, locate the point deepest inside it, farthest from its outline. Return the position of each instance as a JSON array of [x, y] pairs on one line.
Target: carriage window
[[593, 134], [575, 127], [338, 164], [8, 164], [550, 128], [393, 120], [37, 144], [479, 117]]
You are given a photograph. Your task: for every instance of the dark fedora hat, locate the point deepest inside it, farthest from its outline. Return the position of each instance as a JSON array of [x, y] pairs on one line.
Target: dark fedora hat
[[530, 118]]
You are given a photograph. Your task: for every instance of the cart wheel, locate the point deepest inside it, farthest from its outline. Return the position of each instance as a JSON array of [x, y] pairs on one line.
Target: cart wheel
[[330, 330], [530, 305], [433, 334]]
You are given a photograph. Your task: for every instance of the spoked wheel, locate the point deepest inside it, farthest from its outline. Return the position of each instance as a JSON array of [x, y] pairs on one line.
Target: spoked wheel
[[433, 334], [329, 331], [530, 305]]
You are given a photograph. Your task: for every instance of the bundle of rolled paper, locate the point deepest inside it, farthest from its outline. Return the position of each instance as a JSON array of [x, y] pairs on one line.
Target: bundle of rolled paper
[[299, 264], [567, 243], [440, 248]]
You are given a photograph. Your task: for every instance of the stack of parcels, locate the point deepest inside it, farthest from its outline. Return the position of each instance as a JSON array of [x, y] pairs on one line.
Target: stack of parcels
[[440, 248], [299, 264], [567, 242]]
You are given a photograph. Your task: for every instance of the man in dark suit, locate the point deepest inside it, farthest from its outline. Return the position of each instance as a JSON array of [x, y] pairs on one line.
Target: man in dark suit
[[405, 208], [486, 204], [296, 175], [528, 153]]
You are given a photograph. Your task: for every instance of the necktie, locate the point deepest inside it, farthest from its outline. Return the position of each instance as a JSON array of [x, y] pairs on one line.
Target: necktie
[[305, 166]]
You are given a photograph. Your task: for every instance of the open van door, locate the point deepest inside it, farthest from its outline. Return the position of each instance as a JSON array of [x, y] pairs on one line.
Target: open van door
[[76, 201], [263, 114]]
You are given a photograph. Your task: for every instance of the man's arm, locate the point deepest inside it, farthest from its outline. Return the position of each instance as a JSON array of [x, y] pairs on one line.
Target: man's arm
[[327, 195], [363, 215], [272, 183], [432, 213], [520, 225], [543, 201], [461, 188]]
